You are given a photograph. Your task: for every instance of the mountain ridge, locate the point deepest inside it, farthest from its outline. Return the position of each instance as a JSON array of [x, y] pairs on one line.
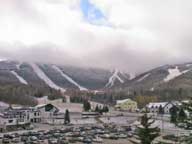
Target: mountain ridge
[[71, 77], [58, 76]]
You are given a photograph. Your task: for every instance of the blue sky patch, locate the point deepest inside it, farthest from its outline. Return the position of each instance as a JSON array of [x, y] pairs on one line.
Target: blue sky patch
[[91, 13]]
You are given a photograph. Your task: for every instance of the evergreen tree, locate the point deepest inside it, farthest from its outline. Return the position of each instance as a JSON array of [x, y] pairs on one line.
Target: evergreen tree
[[146, 132], [188, 107], [86, 105], [188, 120], [173, 113], [106, 109], [101, 110], [182, 115], [67, 117], [97, 109], [161, 110]]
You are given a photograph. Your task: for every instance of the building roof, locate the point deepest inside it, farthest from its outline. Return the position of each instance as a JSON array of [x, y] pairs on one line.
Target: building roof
[[43, 105], [163, 104], [123, 101]]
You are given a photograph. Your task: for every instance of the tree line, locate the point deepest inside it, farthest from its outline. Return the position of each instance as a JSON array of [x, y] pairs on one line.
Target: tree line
[[25, 95]]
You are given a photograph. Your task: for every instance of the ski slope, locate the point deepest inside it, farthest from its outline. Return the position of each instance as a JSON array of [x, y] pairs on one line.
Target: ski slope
[[18, 65], [21, 80], [188, 65], [114, 77], [45, 78], [69, 78], [143, 77], [132, 76], [174, 73]]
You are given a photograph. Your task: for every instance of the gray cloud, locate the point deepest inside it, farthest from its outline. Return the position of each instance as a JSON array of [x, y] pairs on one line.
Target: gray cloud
[[142, 35]]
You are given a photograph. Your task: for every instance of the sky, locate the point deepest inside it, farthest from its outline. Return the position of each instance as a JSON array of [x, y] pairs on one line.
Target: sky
[[130, 35]]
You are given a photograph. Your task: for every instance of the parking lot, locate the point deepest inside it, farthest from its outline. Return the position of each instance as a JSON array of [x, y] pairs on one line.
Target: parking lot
[[97, 133], [108, 129]]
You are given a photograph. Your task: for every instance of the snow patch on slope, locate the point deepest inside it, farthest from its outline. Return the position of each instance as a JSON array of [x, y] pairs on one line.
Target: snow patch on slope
[[132, 76], [173, 73], [22, 80], [45, 78], [152, 89], [68, 78], [114, 77], [18, 65], [188, 65], [143, 77]]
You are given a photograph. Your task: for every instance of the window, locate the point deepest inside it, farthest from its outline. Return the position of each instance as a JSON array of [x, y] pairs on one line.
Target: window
[[10, 121], [48, 107]]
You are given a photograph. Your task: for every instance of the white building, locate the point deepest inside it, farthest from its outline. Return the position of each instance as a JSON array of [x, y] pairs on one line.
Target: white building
[[50, 114], [95, 104], [154, 107], [35, 115], [47, 112], [13, 118], [126, 105]]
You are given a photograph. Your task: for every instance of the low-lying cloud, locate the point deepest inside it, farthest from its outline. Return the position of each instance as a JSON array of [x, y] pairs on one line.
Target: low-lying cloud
[[134, 37]]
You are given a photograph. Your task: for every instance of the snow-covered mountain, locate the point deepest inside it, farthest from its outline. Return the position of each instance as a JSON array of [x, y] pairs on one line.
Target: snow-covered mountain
[[70, 77], [168, 76], [117, 77], [59, 77]]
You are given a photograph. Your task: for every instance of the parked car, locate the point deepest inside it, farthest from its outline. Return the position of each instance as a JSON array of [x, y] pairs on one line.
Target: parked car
[[87, 140], [5, 140]]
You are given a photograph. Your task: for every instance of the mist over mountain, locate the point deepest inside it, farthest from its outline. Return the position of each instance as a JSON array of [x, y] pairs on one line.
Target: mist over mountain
[[133, 36]]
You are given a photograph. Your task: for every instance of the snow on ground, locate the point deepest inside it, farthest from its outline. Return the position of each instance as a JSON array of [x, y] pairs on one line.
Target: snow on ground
[[69, 78], [45, 78], [168, 125], [42, 100], [21, 80], [143, 77], [83, 121], [118, 120], [173, 73], [113, 78], [72, 107]]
